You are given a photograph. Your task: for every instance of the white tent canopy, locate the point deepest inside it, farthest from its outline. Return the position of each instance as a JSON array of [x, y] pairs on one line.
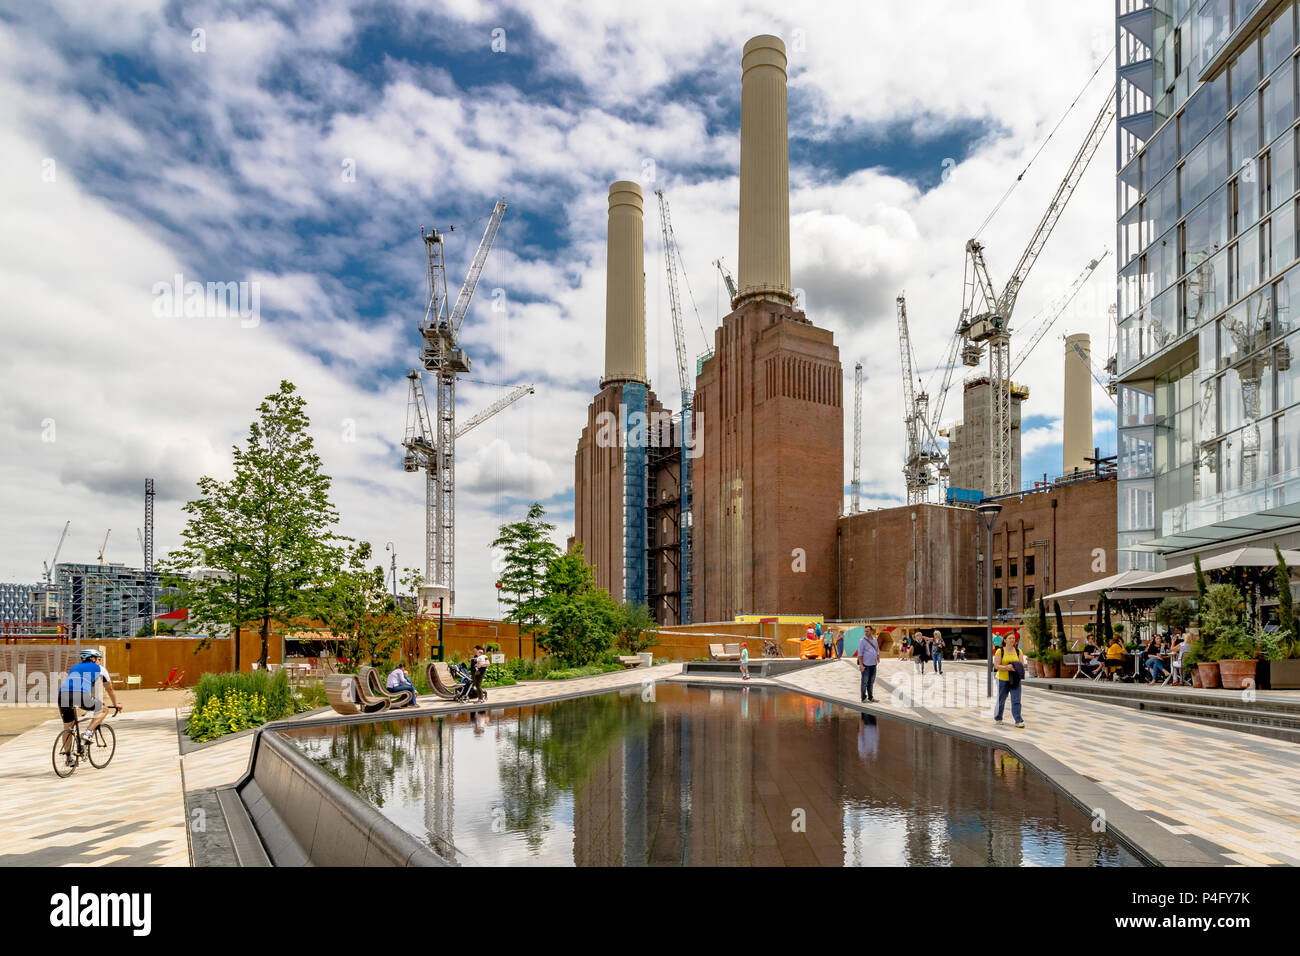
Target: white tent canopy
[[1093, 589], [1174, 580]]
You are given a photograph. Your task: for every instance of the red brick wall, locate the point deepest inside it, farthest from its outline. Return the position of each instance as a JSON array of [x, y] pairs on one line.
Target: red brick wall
[[770, 476]]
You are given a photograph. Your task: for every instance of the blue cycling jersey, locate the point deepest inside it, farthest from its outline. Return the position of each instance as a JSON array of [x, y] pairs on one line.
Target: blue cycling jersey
[[81, 679]]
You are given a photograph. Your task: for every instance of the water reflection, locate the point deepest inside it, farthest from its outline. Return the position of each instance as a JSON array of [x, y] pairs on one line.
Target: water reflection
[[704, 776]]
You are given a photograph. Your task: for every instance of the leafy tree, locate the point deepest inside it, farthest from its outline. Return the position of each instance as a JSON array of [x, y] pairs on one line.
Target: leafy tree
[[1285, 607], [526, 554], [209, 571], [1060, 626], [578, 616], [635, 627], [359, 610], [1173, 612], [267, 533]]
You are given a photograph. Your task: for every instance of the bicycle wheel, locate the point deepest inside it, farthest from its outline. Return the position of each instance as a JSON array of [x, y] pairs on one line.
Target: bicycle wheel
[[101, 747], [63, 766]]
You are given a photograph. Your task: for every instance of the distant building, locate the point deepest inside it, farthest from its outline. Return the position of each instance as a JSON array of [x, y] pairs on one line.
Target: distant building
[[106, 601], [968, 441], [16, 604]]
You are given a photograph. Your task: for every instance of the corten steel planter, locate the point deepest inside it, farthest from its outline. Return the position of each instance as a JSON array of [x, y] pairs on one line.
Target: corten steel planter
[[1196, 676], [1208, 673], [1031, 667], [1237, 675], [1046, 670], [1284, 675]]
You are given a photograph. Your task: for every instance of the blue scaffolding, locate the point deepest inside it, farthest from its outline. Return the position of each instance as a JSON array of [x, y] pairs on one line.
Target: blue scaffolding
[[634, 493]]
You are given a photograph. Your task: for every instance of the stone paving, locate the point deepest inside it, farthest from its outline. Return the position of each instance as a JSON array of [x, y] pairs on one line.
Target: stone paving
[[1234, 795]]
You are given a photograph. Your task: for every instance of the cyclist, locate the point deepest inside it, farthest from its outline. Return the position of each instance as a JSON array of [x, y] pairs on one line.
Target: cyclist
[[78, 690]]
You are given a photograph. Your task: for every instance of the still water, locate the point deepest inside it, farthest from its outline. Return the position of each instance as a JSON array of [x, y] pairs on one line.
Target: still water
[[704, 776]]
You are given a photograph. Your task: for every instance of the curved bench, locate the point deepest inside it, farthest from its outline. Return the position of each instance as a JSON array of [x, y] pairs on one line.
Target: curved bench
[[440, 680], [376, 690], [343, 691]]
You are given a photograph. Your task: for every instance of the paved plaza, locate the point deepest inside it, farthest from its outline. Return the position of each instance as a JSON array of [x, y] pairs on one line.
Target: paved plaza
[[1233, 796]]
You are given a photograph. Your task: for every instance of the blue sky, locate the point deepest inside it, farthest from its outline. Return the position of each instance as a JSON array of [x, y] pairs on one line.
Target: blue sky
[[221, 155]]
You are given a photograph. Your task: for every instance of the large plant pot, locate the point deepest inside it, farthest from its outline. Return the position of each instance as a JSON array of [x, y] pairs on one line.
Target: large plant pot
[[1031, 667], [1046, 669], [1285, 675], [1196, 676], [1208, 673], [1237, 675]]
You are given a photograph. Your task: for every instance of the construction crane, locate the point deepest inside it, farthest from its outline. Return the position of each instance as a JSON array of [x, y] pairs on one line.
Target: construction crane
[[431, 443], [726, 277], [924, 464], [1106, 379], [857, 439], [49, 568], [499, 405], [686, 379], [1047, 318], [103, 546], [986, 314]]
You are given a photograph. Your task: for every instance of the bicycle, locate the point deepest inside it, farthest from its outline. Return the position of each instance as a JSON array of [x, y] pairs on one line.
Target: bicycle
[[98, 750]]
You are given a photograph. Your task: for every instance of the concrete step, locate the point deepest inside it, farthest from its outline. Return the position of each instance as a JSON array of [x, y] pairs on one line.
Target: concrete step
[[1279, 721]]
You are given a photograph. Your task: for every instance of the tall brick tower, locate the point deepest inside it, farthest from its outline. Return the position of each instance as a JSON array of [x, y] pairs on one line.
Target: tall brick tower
[[768, 484], [610, 471]]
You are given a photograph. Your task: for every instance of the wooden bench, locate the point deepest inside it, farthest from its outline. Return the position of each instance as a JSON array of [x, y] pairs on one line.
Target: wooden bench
[[441, 681], [375, 688], [343, 691], [629, 660]]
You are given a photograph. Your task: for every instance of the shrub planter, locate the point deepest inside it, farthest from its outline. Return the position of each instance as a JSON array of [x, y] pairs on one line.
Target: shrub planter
[[1284, 675], [1208, 674], [1237, 675], [1046, 669], [1031, 667], [1196, 676]]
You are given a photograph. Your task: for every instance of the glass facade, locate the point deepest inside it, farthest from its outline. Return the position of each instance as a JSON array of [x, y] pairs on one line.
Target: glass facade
[[1208, 420]]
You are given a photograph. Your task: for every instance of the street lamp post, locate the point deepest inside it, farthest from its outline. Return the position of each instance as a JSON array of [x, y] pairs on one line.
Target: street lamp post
[[392, 548], [1070, 631], [988, 512]]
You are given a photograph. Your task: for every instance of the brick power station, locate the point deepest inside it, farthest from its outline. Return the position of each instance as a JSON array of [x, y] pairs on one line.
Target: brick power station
[[766, 481]]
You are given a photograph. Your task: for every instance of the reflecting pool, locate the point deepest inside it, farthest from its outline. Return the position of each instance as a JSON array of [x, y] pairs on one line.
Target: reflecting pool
[[704, 776]]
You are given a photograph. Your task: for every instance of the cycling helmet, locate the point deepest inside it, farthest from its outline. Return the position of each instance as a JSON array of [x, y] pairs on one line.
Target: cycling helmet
[[90, 652]]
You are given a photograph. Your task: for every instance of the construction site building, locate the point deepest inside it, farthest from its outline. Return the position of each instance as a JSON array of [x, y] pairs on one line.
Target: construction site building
[[968, 441]]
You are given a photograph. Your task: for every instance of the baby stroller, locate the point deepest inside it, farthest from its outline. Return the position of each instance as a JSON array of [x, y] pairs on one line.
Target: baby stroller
[[471, 684]]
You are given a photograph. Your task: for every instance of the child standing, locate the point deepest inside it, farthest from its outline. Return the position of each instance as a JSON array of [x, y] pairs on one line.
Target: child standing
[[744, 661]]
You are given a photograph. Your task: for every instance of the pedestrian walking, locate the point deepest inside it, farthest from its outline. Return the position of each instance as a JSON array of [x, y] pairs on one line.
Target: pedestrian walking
[[744, 661], [868, 660], [1010, 665], [828, 643], [936, 652], [920, 651]]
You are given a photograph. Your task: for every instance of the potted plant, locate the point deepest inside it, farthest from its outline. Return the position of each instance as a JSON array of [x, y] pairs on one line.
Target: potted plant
[[1236, 649], [1222, 633], [1049, 661], [1194, 655]]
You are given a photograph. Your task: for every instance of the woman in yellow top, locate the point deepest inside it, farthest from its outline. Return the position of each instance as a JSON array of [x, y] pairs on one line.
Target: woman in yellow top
[[1116, 650], [1005, 659]]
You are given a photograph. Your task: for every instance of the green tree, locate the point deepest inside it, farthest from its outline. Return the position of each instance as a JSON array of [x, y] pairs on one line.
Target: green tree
[[361, 612], [210, 569], [526, 553], [1200, 584], [1285, 606], [635, 627], [268, 530], [1060, 626], [578, 617]]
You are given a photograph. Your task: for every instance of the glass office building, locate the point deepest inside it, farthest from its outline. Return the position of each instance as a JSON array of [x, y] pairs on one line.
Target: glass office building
[[1209, 282]]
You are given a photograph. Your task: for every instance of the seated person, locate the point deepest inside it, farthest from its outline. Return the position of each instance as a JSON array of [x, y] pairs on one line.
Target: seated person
[[1090, 663], [399, 680], [1151, 662], [1176, 653], [1114, 655]]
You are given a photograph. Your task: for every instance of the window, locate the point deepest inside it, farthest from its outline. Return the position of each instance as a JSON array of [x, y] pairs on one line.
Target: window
[[997, 571], [1278, 104], [997, 599], [1015, 569], [1029, 564], [1029, 596]]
